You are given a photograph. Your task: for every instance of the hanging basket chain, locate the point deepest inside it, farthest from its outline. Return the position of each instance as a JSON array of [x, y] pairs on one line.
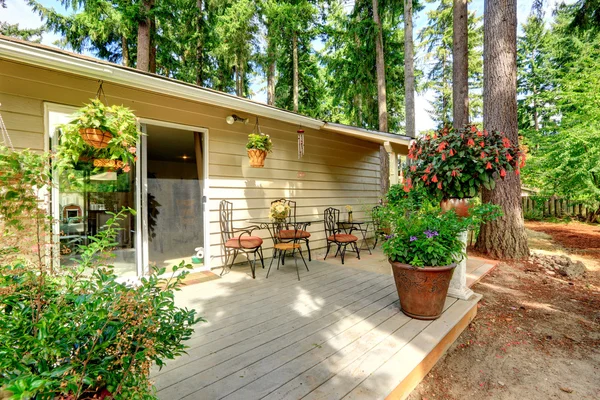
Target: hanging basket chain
[[5, 136], [101, 92]]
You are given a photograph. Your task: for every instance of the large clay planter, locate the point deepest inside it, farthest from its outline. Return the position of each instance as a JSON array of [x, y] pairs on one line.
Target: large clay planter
[[422, 291], [460, 206], [257, 158], [95, 137]]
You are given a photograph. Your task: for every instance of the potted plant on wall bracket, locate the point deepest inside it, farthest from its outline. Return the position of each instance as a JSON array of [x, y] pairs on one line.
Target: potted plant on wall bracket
[[107, 135], [258, 146], [454, 164], [424, 247]]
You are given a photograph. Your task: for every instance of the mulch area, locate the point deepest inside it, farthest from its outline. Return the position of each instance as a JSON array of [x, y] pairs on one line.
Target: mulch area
[[578, 237], [535, 336]]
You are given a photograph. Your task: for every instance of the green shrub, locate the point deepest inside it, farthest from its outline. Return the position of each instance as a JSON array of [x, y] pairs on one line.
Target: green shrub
[[77, 331]]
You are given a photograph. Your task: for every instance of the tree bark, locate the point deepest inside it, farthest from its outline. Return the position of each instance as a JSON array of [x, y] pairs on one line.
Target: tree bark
[[380, 68], [409, 69], [460, 65], [152, 56], [125, 51], [295, 70], [143, 45], [200, 44], [504, 238], [270, 72], [384, 160]]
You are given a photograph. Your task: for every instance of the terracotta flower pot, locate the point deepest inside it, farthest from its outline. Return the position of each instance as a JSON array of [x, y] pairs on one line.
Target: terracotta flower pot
[[422, 291], [95, 137], [460, 206], [257, 158]]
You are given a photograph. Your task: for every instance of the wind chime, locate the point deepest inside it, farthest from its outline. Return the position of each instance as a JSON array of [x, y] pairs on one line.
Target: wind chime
[[300, 132]]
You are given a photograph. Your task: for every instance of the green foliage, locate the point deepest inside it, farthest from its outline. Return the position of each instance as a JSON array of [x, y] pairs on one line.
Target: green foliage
[[422, 235], [77, 331], [349, 59], [565, 149], [118, 120], [456, 163], [259, 141], [436, 41]]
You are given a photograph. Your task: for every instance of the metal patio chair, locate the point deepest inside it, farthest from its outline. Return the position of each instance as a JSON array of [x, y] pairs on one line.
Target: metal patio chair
[[289, 232], [238, 240], [336, 236]]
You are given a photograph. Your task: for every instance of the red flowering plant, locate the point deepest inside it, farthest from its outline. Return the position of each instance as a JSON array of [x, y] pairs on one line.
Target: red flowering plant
[[456, 163]]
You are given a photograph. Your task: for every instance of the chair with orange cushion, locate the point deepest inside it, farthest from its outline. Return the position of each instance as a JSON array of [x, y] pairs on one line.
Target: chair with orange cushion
[[238, 240], [336, 235], [290, 233]]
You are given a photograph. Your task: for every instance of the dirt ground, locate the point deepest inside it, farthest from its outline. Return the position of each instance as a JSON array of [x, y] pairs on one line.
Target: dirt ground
[[536, 335]]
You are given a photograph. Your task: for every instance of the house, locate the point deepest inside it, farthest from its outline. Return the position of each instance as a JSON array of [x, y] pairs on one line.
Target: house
[[191, 157]]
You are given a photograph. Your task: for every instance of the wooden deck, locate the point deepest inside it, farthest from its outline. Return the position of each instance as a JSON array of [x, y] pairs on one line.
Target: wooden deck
[[336, 334]]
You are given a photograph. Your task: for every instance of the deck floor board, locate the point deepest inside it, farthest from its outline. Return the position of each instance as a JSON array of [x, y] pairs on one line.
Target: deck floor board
[[330, 335]]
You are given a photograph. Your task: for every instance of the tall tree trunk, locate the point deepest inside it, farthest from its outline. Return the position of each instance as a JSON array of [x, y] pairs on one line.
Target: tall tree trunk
[[295, 70], [152, 59], [125, 51], [384, 159], [270, 70], [460, 64], [380, 67], [504, 238], [409, 69], [143, 44], [200, 44]]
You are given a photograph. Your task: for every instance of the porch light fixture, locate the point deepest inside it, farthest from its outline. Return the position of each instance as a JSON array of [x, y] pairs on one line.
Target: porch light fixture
[[231, 119]]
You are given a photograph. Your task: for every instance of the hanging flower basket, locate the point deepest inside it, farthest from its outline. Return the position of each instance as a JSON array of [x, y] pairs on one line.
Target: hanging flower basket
[[258, 146], [95, 137], [257, 158], [108, 135]]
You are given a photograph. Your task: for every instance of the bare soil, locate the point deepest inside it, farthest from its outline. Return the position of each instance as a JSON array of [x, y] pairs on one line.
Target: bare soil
[[536, 335]]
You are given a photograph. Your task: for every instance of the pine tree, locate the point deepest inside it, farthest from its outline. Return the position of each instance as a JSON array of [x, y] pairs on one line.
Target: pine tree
[[436, 40], [349, 58]]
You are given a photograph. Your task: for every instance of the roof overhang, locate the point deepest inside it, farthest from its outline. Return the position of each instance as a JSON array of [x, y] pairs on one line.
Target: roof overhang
[[56, 59]]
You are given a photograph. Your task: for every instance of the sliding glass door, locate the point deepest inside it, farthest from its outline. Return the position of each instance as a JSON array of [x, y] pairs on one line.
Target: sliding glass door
[[166, 189]]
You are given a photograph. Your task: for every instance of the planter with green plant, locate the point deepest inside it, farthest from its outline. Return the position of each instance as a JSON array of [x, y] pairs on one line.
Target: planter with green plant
[[258, 146], [108, 135], [423, 248], [454, 164], [76, 332]]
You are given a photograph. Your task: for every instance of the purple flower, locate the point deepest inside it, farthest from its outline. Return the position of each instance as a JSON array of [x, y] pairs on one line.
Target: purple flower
[[388, 237], [413, 238], [430, 234]]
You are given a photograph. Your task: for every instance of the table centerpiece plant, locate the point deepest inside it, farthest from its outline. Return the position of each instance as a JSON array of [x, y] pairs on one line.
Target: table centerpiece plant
[[279, 211], [423, 248], [106, 134], [257, 147], [454, 164]]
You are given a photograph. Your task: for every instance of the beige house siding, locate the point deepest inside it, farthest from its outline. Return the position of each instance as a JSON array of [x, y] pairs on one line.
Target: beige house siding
[[336, 170]]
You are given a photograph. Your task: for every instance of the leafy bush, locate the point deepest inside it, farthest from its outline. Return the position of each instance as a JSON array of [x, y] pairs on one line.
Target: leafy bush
[[75, 332], [422, 235]]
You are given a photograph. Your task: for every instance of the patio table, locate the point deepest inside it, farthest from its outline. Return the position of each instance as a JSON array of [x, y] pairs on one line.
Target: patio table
[[357, 225], [301, 224]]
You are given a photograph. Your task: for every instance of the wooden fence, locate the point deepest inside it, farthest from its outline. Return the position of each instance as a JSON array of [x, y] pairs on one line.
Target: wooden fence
[[553, 207]]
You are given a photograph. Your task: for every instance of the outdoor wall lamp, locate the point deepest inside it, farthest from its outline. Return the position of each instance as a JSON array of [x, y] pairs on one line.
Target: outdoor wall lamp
[[230, 119]]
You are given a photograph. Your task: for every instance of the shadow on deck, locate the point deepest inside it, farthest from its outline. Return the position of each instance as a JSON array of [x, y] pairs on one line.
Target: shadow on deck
[[336, 334]]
